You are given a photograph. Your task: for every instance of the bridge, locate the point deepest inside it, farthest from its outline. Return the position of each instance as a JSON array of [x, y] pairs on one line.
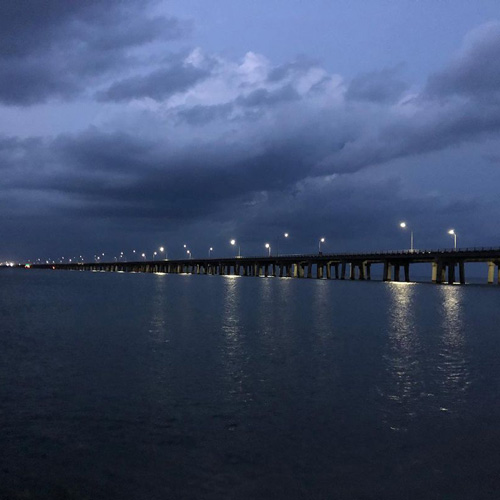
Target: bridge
[[446, 265]]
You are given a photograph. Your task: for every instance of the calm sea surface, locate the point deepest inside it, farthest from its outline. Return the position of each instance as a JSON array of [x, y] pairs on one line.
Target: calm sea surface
[[137, 386]]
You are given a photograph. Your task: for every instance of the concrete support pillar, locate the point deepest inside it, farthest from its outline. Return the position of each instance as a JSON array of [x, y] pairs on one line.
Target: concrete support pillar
[[336, 271], [274, 270], [300, 270], [407, 271], [309, 269], [319, 271], [396, 272], [329, 271], [352, 271], [491, 272], [387, 271], [451, 273], [362, 271], [434, 272], [368, 268], [440, 272], [343, 269], [266, 270], [461, 272]]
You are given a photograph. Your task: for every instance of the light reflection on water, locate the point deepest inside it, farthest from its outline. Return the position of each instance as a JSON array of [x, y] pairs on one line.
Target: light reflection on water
[[158, 328], [402, 358], [453, 365], [233, 350]]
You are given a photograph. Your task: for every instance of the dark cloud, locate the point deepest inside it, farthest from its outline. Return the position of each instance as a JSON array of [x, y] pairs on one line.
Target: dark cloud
[[157, 85], [382, 86], [201, 115], [291, 69], [274, 147], [476, 70], [58, 48], [264, 97]]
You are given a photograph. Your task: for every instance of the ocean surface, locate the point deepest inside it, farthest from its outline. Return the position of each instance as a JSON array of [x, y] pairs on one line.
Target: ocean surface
[[141, 386]]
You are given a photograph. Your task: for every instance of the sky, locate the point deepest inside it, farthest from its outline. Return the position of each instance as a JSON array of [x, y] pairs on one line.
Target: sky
[[131, 125]]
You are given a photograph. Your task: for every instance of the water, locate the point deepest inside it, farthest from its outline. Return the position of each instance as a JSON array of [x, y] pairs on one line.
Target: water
[[137, 386]]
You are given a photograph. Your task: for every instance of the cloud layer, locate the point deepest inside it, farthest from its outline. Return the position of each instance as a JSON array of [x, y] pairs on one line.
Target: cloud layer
[[193, 139]]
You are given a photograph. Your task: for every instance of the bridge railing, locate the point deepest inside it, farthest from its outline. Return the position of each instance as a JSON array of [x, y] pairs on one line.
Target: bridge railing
[[380, 253]]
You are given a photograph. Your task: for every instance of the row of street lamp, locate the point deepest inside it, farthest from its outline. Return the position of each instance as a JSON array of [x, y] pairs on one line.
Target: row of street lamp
[[233, 242], [450, 232]]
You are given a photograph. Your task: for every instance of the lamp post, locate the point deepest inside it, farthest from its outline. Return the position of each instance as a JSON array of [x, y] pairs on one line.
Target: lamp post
[[403, 225], [268, 246], [210, 250], [189, 254], [162, 249], [143, 256], [321, 240], [285, 235], [452, 232], [154, 255], [233, 242]]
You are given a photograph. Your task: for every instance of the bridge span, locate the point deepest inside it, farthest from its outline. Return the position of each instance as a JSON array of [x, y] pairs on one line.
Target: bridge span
[[446, 265]]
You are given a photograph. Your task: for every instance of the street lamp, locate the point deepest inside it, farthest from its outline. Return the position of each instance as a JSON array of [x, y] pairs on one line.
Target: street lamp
[[143, 256], [322, 240], [154, 255], [189, 253], [268, 246], [285, 235], [233, 242], [403, 226], [452, 232], [210, 250], [163, 249]]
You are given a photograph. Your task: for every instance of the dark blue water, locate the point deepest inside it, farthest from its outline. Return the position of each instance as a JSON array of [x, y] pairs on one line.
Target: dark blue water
[[136, 386]]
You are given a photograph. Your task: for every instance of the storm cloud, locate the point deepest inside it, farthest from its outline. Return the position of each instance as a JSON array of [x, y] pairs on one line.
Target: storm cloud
[[190, 139], [55, 49]]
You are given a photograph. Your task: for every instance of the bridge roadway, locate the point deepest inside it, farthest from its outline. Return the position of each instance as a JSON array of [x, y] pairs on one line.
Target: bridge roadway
[[395, 265]]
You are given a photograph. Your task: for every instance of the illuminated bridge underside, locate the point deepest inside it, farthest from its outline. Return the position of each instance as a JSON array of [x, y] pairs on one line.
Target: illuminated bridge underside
[[447, 266]]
